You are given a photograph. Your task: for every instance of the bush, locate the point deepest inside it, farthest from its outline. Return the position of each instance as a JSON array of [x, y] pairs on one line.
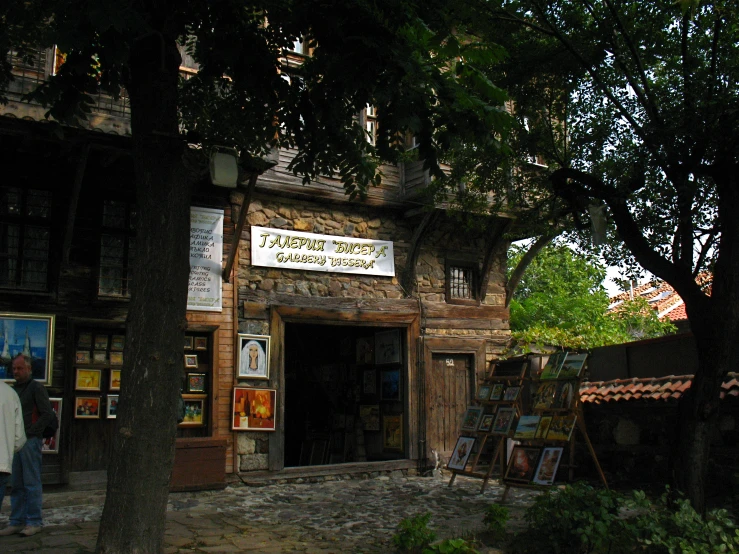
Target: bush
[[413, 535], [451, 546], [495, 519]]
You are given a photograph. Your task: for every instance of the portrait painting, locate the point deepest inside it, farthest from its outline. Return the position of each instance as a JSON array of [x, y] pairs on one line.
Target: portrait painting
[[31, 335], [522, 464], [543, 398], [253, 409], [51, 444], [546, 471], [461, 453], [253, 356], [111, 410], [387, 347]]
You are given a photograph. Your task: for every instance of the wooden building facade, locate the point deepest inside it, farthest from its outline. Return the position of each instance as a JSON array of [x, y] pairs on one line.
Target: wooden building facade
[[365, 369]]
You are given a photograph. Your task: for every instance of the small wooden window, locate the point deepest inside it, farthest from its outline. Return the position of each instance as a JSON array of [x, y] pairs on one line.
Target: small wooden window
[[117, 247], [461, 283], [25, 236]]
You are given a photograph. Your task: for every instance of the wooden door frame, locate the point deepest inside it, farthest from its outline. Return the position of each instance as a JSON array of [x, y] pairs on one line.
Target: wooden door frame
[[475, 347], [280, 315]]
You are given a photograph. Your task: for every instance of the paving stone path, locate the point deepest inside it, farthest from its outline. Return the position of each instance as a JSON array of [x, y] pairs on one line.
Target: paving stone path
[[339, 516]]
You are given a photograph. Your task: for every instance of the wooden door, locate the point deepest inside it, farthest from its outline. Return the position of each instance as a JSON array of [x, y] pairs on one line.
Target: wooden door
[[448, 393]]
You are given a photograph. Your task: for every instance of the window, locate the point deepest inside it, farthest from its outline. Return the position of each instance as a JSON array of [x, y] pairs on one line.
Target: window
[[25, 235], [298, 47], [461, 283], [370, 124], [117, 247]]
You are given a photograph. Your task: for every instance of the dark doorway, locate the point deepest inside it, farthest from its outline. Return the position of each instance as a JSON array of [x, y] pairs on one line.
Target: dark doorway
[[345, 392]]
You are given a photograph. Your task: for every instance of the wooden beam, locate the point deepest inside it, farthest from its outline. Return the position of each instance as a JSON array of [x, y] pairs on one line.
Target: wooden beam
[[500, 228], [409, 273], [441, 310], [239, 226], [73, 201]]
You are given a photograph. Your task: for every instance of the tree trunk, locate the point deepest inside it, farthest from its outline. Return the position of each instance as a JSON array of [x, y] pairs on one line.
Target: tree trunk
[[133, 518]]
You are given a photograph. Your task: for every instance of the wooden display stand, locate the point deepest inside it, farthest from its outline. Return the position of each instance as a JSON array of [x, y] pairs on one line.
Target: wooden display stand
[[499, 401]]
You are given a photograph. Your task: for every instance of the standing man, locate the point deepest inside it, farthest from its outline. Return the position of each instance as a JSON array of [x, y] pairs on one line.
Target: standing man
[[12, 433], [25, 496]]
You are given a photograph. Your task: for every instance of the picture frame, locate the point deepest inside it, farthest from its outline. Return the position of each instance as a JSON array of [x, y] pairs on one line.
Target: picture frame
[[369, 382], [387, 347], [84, 340], [527, 426], [99, 357], [115, 380], [101, 342], [522, 464], [511, 369], [390, 384], [88, 379], [496, 394], [471, 418], [254, 354], [253, 409], [392, 432], [553, 365], [486, 423], [572, 365], [369, 414], [483, 392], [201, 343], [82, 357], [191, 361], [543, 398], [365, 350], [189, 343], [116, 358], [118, 342], [561, 427], [31, 334], [51, 444], [195, 415], [461, 453], [565, 395], [511, 393], [544, 423], [196, 382], [546, 470], [111, 407], [503, 421], [87, 407]]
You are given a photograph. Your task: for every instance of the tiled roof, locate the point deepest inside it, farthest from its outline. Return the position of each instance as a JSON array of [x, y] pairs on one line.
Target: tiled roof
[[669, 388]]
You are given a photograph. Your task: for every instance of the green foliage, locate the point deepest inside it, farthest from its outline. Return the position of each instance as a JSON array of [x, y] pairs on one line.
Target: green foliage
[[451, 546], [495, 519], [413, 535], [561, 301], [580, 519]]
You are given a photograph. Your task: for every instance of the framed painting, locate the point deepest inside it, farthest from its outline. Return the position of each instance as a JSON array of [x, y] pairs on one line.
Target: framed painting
[[496, 393], [387, 347], [511, 393], [543, 429], [522, 465], [116, 358], [191, 361], [527, 426], [31, 335], [201, 343], [365, 350], [486, 423], [369, 382], [84, 340], [51, 445], [483, 393], [189, 343], [565, 395], [553, 365], [111, 408], [543, 398], [253, 409], [503, 421], [369, 415], [253, 359], [546, 471], [392, 432], [194, 410], [82, 357], [471, 418], [100, 357], [115, 380], [196, 382], [461, 453], [117, 342], [390, 384], [87, 407], [561, 427], [88, 379], [101, 342], [572, 366]]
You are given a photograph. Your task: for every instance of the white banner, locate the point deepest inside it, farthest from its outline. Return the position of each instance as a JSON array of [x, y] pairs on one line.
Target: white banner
[[310, 252], [206, 260]]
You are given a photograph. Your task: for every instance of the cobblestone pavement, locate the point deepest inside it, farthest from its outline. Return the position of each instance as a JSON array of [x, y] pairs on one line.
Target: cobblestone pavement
[[339, 516]]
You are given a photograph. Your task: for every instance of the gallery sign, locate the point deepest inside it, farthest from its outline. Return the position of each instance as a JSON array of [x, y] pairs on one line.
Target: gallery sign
[[206, 259], [311, 252]]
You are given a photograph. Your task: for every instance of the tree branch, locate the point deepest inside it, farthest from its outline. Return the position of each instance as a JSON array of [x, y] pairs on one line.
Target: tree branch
[[525, 262]]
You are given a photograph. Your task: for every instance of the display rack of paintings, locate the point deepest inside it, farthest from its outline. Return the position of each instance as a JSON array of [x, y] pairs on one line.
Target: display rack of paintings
[[546, 428], [487, 424]]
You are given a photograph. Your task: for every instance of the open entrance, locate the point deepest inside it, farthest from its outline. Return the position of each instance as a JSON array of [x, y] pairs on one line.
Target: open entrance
[[345, 394]]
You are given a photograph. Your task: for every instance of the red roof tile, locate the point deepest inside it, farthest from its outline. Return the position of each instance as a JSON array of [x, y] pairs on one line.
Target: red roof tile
[[668, 388]]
